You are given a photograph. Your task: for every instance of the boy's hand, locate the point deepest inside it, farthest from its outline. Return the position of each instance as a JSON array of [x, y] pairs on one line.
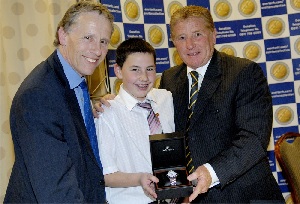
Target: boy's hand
[[103, 100], [147, 182]]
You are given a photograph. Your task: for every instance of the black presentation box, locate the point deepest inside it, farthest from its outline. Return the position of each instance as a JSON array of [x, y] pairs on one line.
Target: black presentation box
[[168, 153]]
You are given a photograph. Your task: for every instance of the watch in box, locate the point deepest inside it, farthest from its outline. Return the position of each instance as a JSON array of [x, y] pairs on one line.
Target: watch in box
[[168, 165]]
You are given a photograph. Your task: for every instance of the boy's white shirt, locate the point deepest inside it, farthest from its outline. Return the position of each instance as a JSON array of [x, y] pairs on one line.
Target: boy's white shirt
[[123, 138]]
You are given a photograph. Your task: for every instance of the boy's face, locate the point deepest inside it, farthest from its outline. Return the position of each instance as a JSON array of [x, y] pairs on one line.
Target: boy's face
[[138, 74]]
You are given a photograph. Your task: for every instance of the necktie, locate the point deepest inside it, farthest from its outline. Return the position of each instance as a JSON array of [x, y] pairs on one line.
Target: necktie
[[89, 121], [153, 120], [193, 99]]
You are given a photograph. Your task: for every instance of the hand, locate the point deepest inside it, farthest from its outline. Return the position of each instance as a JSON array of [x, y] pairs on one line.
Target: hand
[[204, 180], [147, 182], [103, 100]]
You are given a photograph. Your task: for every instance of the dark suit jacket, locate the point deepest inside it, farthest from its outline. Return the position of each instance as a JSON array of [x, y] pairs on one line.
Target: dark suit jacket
[[54, 162], [230, 128]]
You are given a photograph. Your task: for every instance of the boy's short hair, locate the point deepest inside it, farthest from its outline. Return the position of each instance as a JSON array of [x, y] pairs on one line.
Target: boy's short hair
[[133, 45]]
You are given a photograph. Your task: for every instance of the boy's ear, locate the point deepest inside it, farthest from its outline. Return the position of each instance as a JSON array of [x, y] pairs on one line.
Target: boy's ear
[[117, 70]]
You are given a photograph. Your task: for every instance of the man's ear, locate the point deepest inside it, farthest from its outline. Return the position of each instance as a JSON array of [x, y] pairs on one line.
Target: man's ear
[[118, 71], [62, 36]]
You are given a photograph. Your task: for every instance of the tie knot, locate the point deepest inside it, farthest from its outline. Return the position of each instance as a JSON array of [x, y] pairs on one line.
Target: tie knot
[[83, 85], [194, 75], [145, 105]]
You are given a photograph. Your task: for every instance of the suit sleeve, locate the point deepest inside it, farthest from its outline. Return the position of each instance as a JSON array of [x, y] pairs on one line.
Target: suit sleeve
[[40, 125], [252, 118]]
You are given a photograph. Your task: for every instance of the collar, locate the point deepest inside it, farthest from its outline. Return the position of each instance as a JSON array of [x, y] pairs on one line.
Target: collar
[[200, 70], [73, 77], [130, 102]]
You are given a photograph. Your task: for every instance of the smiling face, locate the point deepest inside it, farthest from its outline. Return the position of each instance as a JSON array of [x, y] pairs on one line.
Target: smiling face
[[85, 44], [138, 74], [194, 41]]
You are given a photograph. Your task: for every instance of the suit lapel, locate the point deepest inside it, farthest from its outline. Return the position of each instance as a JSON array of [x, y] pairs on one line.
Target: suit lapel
[[79, 123], [73, 107], [210, 83], [182, 99]]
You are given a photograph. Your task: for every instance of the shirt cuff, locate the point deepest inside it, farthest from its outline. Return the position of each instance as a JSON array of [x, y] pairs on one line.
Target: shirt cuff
[[214, 177]]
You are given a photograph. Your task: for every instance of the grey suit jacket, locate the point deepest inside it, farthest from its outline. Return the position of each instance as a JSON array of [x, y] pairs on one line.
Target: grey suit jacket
[[230, 127], [54, 162]]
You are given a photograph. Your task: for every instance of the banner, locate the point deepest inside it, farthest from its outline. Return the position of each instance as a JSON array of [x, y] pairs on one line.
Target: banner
[[267, 32]]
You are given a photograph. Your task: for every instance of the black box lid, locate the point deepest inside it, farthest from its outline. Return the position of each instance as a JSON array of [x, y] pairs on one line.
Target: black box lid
[[167, 150]]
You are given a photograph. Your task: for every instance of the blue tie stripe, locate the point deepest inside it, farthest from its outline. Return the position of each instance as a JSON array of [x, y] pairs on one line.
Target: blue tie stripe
[[89, 121]]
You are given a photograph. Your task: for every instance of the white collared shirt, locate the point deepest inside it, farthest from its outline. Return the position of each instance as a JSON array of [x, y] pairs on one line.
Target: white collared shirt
[[201, 71], [123, 138]]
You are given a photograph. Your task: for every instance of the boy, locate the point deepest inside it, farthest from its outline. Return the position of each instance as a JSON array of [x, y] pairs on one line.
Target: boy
[[123, 130]]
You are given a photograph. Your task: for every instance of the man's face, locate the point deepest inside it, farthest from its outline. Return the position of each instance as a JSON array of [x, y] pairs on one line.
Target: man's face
[[85, 44], [194, 41], [138, 74]]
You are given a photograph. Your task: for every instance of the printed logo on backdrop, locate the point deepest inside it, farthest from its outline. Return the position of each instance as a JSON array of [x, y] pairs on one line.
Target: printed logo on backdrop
[[277, 49], [271, 8], [272, 160], [111, 60], [279, 131], [132, 10], [296, 67], [298, 112], [154, 12], [134, 31], [247, 8], [280, 71], [228, 49], [294, 23], [282, 93], [162, 60], [222, 9], [115, 8], [282, 182]]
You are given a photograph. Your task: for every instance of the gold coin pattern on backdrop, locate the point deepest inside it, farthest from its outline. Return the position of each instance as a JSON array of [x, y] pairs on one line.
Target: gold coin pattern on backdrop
[[247, 7], [228, 49], [280, 71], [117, 85], [157, 81], [284, 115], [252, 51], [275, 26], [295, 4], [176, 58], [156, 35], [132, 10], [116, 37], [297, 46], [173, 6], [222, 9]]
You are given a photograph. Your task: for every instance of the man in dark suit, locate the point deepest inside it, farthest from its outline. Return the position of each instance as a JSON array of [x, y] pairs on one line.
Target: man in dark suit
[[231, 122], [54, 160]]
